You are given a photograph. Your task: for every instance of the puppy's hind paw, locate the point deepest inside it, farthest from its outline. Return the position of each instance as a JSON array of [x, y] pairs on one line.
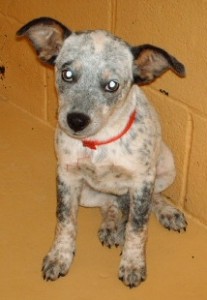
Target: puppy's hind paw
[[173, 219], [111, 236]]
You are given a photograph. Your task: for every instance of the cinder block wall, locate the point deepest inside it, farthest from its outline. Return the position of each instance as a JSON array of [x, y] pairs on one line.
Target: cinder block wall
[[179, 26]]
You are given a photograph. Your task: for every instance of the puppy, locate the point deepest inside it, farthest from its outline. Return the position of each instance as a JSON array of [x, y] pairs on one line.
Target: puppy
[[108, 142]]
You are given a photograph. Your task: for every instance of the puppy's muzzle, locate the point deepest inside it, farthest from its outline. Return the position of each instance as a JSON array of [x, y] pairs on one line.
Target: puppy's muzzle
[[77, 121]]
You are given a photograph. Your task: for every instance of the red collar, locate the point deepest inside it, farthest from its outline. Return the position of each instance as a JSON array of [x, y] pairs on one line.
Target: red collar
[[93, 144]]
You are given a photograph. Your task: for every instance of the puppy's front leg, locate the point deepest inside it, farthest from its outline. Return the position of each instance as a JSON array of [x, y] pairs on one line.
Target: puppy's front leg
[[133, 265], [58, 260]]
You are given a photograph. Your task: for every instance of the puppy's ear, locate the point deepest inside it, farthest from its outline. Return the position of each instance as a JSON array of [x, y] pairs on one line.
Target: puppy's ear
[[47, 36], [151, 62]]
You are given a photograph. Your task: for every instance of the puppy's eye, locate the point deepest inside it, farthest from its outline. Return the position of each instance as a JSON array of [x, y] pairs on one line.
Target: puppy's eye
[[67, 75], [112, 86]]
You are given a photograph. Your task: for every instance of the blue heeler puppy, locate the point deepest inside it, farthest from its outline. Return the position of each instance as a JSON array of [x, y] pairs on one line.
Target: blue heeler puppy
[[108, 141]]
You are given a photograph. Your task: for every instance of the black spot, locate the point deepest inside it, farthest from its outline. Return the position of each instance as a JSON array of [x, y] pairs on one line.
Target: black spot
[[164, 92], [141, 207], [123, 202], [63, 206], [2, 71]]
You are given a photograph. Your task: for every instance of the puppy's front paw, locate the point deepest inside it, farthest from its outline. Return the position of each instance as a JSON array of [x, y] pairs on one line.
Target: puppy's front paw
[[55, 266], [132, 274]]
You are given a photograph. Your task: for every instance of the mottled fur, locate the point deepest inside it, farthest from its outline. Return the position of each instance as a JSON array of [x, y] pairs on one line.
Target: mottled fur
[[96, 74]]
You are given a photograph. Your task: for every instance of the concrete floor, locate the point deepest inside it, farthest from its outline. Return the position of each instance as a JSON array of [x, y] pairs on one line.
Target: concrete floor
[[177, 263]]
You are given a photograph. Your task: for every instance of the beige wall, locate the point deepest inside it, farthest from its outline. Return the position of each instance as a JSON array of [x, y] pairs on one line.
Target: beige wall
[[178, 26]]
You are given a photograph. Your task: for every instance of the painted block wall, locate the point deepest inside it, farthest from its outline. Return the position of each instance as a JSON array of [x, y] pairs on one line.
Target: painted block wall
[[178, 26]]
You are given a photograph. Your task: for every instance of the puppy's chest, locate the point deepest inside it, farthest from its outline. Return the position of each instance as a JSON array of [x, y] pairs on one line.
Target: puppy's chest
[[109, 177], [103, 172]]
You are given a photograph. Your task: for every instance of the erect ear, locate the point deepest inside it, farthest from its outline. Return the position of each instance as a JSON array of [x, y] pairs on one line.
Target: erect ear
[[151, 62], [47, 36]]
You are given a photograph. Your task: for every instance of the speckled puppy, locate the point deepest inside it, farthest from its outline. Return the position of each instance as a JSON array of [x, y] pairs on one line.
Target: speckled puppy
[[108, 141]]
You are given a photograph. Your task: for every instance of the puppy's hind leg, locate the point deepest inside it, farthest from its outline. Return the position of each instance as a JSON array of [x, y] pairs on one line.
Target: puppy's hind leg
[[115, 215], [167, 214], [114, 211]]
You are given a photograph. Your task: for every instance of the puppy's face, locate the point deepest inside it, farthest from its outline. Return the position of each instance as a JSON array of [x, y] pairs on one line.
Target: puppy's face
[[94, 73]]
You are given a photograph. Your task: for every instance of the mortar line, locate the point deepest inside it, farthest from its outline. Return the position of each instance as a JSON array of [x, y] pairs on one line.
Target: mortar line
[[10, 18], [195, 219], [113, 16], [45, 95], [186, 163], [188, 146], [192, 109], [34, 117]]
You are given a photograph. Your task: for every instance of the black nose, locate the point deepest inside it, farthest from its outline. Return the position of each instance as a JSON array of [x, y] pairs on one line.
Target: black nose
[[77, 121]]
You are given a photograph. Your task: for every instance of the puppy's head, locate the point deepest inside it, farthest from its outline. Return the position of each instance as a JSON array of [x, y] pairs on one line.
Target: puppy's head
[[94, 71]]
